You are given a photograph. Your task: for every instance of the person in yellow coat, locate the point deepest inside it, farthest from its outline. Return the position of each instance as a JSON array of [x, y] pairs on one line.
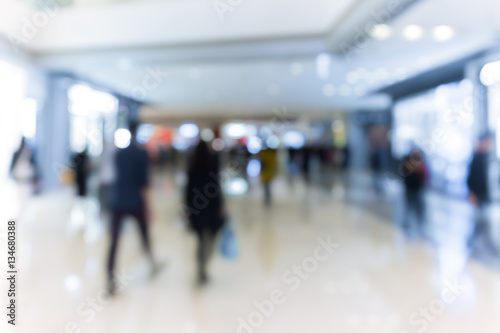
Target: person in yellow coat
[[269, 169]]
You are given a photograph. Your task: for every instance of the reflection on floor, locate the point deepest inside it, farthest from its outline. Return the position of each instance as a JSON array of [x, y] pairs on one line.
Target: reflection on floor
[[285, 280]]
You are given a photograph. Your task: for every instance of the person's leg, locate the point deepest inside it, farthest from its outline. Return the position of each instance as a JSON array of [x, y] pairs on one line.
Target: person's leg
[[116, 222], [140, 217], [209, 243], [420, 209], [200, 256], [408, 209]]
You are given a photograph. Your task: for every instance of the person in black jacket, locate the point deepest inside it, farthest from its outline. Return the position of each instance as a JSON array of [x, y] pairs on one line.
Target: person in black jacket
[[477, 180], [81, 166], [414, 172], [204, 201], [130, 198], [479, 191]]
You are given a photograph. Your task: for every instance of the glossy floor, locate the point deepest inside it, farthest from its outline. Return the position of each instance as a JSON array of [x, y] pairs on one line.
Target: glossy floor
[[285, 280]]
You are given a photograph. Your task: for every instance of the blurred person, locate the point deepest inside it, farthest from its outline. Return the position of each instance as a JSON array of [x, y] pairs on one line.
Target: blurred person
[[306, 164], [81, 167], [204, 198], [23, 167], [130, 198], [479, 191], [269, 168], [415, 176]]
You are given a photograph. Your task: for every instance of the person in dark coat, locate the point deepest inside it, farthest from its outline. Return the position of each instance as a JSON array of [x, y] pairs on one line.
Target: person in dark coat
[[477, 180], [479, 191], [414, 178], [204, 203], [130, 198], [81, 166]]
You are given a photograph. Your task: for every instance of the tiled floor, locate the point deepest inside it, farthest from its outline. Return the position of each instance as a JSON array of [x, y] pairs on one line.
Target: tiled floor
[[377, 280]]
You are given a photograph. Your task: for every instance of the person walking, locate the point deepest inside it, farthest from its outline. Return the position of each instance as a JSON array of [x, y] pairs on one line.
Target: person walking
[[130, 199], [204, 200], [269, 168], [415, 176], [479, 191], [81, 167]]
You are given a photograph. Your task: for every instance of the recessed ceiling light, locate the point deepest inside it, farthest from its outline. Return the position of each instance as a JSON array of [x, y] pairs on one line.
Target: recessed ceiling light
[[413, 32], [381, 31], [443, 33], [323, 64]]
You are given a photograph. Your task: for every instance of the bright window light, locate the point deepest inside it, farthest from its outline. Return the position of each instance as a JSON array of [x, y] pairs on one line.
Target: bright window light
[[78, 134], [323, 64], [84, 100], [122, 138], [294, 139], [235, 131], [188, 131], [490, 74], [28, 117], [254, 145], [236, 186]]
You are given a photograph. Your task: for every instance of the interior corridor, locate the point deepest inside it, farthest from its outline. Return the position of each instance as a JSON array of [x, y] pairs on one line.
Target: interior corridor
[[376, 280]]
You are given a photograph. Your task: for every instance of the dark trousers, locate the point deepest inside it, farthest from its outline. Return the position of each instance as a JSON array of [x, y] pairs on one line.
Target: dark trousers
[[116, 225], [206, 242], [414, 207]]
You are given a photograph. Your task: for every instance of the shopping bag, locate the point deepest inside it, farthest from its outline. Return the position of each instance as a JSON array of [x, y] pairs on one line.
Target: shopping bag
[[229, 244]]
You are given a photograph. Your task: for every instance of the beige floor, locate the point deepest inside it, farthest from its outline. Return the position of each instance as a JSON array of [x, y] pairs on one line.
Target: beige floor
[[375, 281]]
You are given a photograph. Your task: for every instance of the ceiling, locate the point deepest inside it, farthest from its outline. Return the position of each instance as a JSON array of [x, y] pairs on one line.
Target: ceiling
[[259, 56]]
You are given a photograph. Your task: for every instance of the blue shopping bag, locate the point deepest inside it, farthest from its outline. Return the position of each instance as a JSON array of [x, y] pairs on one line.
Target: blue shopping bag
[[229, 244]]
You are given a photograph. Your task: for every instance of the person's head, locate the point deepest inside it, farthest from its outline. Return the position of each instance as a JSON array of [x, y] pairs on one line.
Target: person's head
[[486, 143], [201, 158], [416, 154]]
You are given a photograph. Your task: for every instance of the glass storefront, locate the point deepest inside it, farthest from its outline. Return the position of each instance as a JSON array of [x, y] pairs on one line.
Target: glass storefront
[[440, 122]]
